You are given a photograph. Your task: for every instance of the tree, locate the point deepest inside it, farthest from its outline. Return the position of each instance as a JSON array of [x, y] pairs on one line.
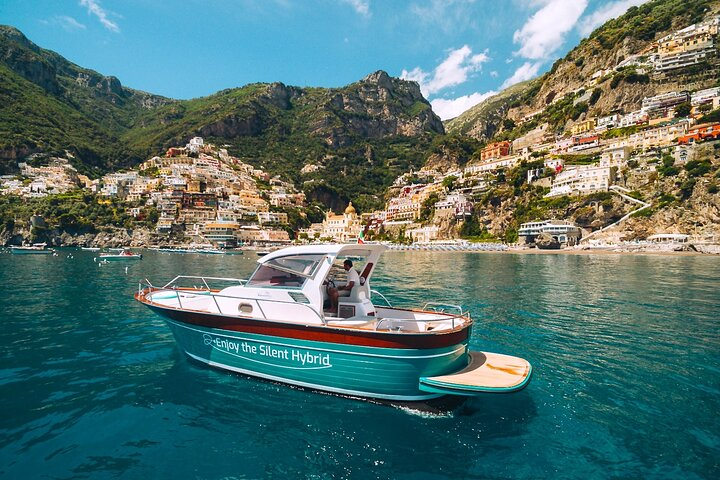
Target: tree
[[471, 228], [449, 182], [428, 207], [683, 109]]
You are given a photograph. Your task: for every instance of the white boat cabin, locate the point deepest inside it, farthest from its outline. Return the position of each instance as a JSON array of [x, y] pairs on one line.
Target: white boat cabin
[[291, 285], [303, 274]]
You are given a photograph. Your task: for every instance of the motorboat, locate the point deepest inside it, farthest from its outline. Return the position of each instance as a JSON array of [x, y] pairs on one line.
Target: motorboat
[[210, 251], [34, 249], [278, 325], [123, 255]]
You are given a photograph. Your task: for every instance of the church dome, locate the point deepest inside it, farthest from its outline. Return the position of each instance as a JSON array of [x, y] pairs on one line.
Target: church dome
[[350, 209]]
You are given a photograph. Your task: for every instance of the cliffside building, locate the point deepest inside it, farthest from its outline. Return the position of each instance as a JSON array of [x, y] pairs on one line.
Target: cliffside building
[[495, 150], [688, 46], [581, 180], [562, 231], [583, 127]]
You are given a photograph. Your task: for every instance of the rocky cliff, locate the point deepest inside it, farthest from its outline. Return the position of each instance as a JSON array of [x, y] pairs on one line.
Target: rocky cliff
[[617, 40]]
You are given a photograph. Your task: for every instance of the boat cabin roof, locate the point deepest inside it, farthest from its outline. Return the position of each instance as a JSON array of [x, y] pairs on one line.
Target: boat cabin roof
[[331, 250]]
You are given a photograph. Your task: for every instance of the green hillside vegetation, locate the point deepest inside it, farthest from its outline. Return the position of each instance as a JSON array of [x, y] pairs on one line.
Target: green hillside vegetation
[[51, 106], [73, 212], [644, 22]]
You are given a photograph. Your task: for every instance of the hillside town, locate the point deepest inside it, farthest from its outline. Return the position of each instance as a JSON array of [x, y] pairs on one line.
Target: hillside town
[[201, 191]]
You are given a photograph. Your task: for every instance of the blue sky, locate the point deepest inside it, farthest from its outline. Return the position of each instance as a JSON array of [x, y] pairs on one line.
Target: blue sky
[[460, 51]]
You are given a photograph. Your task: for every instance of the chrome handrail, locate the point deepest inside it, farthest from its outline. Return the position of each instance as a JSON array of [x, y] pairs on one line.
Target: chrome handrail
[[434, 307], [375, 292], [258, 301], [203, 279], [450, 317]]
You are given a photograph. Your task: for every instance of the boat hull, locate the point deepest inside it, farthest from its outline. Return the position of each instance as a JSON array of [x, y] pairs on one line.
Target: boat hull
[[346, 369], [23, 251], [119, 258]]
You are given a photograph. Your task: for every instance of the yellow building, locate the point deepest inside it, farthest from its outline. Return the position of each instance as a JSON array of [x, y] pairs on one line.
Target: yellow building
[[342, 228], [583, 127]]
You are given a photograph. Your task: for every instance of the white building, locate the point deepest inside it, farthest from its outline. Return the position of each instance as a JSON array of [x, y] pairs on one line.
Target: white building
[[581, 180], [195, 145], [634, 118], [607, 122], [615, 156], [509, 161], [561, 230], [423, 234], [701, 97], [664, 101]]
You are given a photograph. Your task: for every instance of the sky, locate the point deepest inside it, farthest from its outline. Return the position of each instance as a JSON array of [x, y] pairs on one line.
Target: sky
[[459, 51]]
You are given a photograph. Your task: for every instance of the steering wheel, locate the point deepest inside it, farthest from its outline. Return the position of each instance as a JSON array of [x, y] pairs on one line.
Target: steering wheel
[[331, 283]]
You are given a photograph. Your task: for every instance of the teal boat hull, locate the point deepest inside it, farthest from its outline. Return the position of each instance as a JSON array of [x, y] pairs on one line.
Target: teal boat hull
[[353, 370]]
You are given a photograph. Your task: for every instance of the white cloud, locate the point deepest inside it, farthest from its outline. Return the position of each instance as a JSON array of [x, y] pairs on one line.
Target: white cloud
[[447, 109], [605, 13], [94, 8], [450, 16], [454, 70], [360, 6], [545, 31], [527, 71], [66, 23]]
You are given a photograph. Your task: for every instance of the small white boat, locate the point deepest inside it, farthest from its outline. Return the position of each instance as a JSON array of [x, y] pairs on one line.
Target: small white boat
[[124, 255], [34, 249], [210, 251], [90, 249]]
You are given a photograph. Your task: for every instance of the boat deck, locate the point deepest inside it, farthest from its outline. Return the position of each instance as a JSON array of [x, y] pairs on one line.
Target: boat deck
[[486, 372], [392, 320]]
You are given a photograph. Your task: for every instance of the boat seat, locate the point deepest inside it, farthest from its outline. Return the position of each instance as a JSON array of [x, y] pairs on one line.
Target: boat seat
[[360, 292]]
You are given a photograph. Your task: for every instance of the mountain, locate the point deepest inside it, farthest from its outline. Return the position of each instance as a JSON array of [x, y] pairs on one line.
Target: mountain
[[356, 139], [563, 95], [48, 105]]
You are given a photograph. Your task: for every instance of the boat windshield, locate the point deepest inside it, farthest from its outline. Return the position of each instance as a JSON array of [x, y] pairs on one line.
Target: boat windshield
[[290, 271]]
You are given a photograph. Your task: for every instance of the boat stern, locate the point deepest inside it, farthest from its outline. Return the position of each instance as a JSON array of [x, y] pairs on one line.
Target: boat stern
[[485, 373]]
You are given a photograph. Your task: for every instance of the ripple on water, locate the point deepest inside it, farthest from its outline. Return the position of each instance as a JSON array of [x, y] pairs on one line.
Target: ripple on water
[[625, 352]]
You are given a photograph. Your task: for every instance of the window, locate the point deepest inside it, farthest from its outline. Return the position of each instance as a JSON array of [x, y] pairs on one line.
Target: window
[[291, 271]]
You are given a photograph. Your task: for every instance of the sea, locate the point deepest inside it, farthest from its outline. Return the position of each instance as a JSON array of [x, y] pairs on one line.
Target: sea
[[626, 381]]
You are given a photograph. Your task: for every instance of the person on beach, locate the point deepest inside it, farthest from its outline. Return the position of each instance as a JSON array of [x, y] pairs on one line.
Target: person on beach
[[335, 292]]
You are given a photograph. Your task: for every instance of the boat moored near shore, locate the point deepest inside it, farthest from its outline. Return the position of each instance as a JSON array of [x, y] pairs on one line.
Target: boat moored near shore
[[125, 254], [34, 249]]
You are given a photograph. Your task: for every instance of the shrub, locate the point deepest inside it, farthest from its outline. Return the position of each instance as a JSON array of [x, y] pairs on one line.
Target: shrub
[[698, 168], [668, 168], [666, 199], [686, 188], [644, 213]]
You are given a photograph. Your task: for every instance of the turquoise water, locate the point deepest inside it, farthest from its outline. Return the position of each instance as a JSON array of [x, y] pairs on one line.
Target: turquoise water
[[625, 350]]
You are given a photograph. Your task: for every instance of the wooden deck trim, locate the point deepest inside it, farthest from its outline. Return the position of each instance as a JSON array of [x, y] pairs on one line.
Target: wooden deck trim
[[486, 372]]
